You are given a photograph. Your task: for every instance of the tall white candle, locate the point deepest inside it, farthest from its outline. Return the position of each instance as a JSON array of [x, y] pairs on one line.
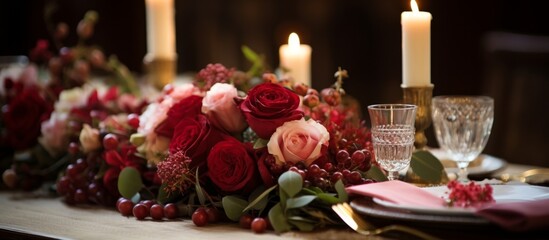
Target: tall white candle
[[296, 58], [160, 29], [416, 47]]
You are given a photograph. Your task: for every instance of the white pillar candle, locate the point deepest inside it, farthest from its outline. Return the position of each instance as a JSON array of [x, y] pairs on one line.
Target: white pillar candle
[[296, 59], [160, 29], [416, 47]]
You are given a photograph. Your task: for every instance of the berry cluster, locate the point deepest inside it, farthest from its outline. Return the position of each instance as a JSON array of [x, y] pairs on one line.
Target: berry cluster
[[469, 195], [80, 186], [92, 173], [147, 208]]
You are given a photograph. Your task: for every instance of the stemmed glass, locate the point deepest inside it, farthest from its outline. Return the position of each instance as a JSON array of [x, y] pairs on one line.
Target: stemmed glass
[[462, 127], [393, 135]]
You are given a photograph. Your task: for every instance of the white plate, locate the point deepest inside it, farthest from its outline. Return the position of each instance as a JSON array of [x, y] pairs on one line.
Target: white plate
[[502, 193], [483, 165]]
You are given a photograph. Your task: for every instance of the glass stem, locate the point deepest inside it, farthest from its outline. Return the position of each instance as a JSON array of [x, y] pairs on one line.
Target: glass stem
[[392, 175], [462, 175]]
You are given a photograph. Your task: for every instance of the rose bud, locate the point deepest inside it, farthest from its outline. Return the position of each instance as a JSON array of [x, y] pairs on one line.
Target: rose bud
[[301, 89], [331, 96], [311, 100], [270, 78]]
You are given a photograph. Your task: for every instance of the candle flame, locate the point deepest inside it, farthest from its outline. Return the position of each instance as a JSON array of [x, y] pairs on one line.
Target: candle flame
[[415, 8], [293, 41]]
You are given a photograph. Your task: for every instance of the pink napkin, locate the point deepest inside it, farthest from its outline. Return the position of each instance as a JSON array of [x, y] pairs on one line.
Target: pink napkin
[[518, 216], [398, 192]]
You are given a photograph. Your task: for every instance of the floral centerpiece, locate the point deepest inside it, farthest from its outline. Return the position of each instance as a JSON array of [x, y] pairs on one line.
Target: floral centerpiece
[[251, 147]]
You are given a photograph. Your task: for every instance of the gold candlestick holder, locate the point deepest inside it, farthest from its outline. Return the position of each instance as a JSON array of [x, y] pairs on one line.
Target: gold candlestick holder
[[160, 70], [421, 97]]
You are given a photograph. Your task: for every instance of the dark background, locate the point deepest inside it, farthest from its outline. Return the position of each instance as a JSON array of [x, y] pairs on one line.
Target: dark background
[[362, 36]]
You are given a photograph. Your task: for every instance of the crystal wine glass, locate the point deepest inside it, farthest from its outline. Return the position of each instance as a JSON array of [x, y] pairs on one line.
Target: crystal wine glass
[[462, 127], [393, 135]]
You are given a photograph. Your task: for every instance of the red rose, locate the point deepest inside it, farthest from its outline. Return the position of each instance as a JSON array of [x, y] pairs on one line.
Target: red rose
[[195, 136], [268, 106], [187, 107], [231, 167], [23, 117]]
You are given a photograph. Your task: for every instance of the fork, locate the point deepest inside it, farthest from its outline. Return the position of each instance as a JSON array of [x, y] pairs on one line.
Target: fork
[[354, 221]]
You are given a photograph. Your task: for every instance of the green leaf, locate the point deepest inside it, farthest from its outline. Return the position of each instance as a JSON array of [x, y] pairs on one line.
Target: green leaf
[[258, 200], [199, 192], [164, 197], [376, 174], [341, 192], [129, 182], [278, 220], [233, 207], [316, 189], [250, 54], [302, 225], [260, 143], [298, 202], [427, 166], [291, 183], [328, 198]]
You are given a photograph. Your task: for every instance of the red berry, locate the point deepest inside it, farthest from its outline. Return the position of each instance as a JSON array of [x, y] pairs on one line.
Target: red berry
[[157, 212], [148, 203], [118, 201], [259, 225], [200, 217], [80, 196], [358, 157], [72, 170], [73, 148], [110, 141], [63, 185], [133, 120], [171, 211], [140, 211], [126, 207], [246, 221], [213, 215]]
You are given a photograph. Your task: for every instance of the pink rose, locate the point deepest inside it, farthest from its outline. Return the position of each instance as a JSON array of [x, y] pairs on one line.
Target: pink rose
[[221, 109], [89, 138], [54, 134], [268, 106], [298, 140]]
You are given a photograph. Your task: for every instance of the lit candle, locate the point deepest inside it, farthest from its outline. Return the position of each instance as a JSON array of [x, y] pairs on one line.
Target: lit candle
[[296, 59], [416, 47], [160, 29]]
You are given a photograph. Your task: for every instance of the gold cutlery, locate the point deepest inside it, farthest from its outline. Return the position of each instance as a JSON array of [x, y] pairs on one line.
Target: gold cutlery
[[354, 221]]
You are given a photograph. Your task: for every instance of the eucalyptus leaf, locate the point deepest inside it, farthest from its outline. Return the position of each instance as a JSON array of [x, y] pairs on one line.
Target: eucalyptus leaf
[[301, 219], [291, 183], [199, 192], [376, 174], [316, 189], [129, 182], [308, 191], [328, 198], [250, 54], [341, 192], [298, 202], [303, 226], [278, 220], [233, 207], [427, 166], [258, 198], [165, 197], [260, 143]]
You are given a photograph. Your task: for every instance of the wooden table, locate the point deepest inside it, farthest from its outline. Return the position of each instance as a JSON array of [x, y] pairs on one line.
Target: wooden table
[[23, 215]]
